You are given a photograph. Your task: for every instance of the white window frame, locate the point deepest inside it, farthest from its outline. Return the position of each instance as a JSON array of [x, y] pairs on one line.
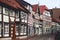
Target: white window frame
[[6, 28], [5, 11]]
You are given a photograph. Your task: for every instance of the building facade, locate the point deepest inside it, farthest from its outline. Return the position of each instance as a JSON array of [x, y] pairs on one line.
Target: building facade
[[55, 14], [28, 18], [36, 16], [47, 22], [10, 11]]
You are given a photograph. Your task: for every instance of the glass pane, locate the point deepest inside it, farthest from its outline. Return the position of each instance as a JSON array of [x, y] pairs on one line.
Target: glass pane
[[6, 18], [21, 30], [16, 30], [25, 29], [6, 11], [12, 13], [6, 29], [23, 15], [0, 9], [17, 14]]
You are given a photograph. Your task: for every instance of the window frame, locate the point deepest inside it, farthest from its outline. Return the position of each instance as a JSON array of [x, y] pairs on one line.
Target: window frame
[[6, 11], [6, 32], [12, 13]]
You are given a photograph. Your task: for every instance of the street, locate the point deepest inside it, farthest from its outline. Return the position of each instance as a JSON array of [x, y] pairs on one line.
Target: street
[[39, 37], [44, 37]]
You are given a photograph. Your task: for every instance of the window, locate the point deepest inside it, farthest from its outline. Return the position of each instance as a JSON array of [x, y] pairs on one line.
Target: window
[[23, 30], [6, 11], [6, 18], [0, 9], [6, 28], [17, 14], [16, 30], [12, 13], [23, 14], [47, 30]]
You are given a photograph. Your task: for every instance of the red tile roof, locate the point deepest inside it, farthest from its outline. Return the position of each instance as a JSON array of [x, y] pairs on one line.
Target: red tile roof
[[13, 4], [34, 7], [42, 8]]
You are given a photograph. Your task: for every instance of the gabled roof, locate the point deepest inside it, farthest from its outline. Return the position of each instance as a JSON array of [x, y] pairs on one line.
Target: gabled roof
[[24, 3], [42, 8], [13, 4], [34, 7]]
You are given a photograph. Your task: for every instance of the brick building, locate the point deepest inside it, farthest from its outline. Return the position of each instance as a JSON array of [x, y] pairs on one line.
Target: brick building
[[55, 14]]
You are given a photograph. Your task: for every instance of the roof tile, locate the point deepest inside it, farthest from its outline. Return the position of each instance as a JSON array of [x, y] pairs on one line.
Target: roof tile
[[13, 4]]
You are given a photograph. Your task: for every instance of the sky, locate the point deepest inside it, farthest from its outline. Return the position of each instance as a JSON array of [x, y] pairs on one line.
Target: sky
[[49, 3]]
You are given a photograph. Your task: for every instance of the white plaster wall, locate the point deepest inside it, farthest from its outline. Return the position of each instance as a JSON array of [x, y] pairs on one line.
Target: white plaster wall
[[46, 16], [3, 10], [23, 20], [30, 20], [12, 18], [5, 18], [0, 17], [17, 19]]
